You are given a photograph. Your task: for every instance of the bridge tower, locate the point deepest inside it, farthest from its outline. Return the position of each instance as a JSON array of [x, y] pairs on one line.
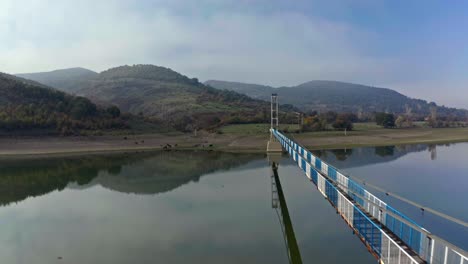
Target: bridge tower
[[274, 111], [274, 146]]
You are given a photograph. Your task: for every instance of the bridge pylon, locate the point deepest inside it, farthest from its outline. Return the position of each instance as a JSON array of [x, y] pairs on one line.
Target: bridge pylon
[[274, 148]]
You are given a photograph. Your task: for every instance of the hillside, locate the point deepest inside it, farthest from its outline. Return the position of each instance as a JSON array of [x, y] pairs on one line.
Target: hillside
[[27, 106], [162, 93], [256, 91], [67, 80], [339, 96]]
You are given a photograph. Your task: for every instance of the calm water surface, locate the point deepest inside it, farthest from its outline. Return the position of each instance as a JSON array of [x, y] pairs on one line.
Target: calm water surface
[[434, 176], [199, 207]]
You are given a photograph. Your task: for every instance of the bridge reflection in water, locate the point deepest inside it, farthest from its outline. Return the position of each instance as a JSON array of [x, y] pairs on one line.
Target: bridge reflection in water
[[278, 202], [388, 234]]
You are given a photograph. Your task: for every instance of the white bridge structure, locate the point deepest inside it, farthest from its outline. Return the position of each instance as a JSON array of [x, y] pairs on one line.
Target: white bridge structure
[[389, 235], [392, 237]]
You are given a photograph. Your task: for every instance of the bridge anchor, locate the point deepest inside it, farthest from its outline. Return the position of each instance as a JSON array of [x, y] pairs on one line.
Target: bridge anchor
[[274, 146]]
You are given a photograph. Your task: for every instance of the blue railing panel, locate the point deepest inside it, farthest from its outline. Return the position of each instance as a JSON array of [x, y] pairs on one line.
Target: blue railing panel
[[368, 230], [332, 193], [313, 175], [318, 163], [332, 172]]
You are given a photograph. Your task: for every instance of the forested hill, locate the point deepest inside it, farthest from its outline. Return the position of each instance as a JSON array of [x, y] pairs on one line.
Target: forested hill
[[164, 94], [29, 106], [257, 91], [68, 80], [341, 97]]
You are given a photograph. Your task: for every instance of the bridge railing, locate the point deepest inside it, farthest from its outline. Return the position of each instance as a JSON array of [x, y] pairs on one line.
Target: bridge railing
[[428, 247]]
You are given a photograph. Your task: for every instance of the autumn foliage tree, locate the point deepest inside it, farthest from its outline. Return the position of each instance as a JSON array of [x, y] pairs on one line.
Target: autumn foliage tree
[[343, 122]]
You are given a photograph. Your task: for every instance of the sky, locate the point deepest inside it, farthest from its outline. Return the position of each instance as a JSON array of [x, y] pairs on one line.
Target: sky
[[419, 48]]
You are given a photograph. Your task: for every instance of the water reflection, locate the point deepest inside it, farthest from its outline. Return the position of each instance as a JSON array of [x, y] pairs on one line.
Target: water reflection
[[432, 176], [433, 150], [349, 158], [165, 207], [86, 210], [140, 173], [278, 202], [385, 151], [342, 154]]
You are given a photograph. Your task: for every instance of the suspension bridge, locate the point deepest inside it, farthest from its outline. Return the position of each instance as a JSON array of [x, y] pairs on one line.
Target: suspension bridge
[[391, 236]]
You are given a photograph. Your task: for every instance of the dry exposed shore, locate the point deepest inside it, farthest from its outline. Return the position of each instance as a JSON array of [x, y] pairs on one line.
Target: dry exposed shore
[[35, 146], [32, 146]]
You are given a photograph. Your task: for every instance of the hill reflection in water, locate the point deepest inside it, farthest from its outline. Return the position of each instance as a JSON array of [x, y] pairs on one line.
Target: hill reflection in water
[[139, 173], [358, 157]]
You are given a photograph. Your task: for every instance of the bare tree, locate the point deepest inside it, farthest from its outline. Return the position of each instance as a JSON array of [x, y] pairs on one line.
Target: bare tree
[[433, 117]]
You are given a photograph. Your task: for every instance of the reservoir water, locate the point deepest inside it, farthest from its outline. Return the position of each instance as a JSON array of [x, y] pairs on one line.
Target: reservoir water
[[208, 207], [434, 176]]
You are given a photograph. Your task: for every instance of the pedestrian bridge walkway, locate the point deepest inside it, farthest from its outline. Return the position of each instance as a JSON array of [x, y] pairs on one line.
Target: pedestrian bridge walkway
[[389, 235]]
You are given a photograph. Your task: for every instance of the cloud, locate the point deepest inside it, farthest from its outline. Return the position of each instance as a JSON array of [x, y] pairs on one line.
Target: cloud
[[276, 44], [223, 44]]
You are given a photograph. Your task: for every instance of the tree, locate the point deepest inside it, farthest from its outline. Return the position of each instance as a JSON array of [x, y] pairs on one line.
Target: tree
[[343, 122], [114, 111], [379, 118], [400, 121], [183, 123], [432, 120], [384, 119], [403, 121], [82, 107], [330, 116], [349, 116], [389, 121], [314, 123]]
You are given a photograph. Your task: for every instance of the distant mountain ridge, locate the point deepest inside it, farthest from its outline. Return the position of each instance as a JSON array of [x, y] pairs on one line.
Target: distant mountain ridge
[[67, 80], [337, 96], [167, 95], [257, 91]]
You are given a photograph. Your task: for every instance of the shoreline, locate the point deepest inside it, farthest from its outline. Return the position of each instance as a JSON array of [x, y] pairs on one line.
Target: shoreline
[[31, 147], [382, 137], [399, 143], [64, 154]]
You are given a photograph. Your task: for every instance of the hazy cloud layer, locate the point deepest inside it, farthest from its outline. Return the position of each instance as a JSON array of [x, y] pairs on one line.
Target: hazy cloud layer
[[277, 43]]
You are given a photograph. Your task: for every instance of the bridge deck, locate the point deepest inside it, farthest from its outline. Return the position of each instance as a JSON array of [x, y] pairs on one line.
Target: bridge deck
[[390, 235], [393, 236]]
